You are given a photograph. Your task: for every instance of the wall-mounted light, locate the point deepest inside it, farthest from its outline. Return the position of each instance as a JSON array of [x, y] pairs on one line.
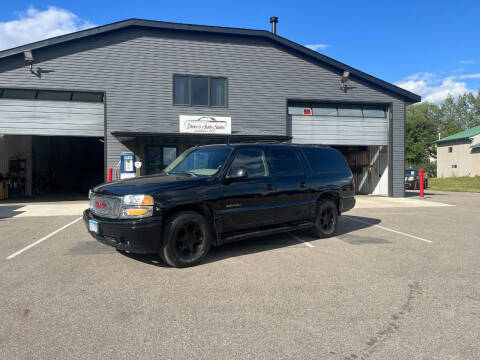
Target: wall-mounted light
[[29, 58], [343, 84]]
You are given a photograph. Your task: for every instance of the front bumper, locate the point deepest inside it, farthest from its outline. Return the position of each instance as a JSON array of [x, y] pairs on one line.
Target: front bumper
[[409, 184], [142, 236]]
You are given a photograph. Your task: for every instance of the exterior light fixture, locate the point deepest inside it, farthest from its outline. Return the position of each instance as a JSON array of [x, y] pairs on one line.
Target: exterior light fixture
[[29, 58], [345, 76]]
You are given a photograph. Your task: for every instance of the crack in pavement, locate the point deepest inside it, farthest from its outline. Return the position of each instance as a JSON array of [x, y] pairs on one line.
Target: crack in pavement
[[390, 327]]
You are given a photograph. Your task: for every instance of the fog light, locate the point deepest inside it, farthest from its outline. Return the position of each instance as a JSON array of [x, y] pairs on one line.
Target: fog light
[[134, 212]]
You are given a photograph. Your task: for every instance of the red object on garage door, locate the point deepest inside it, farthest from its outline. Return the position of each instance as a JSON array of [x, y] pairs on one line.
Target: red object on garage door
[[421, 182]]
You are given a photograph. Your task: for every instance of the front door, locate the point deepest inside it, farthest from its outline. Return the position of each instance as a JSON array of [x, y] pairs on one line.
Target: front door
[[248, 203], [158, 157]]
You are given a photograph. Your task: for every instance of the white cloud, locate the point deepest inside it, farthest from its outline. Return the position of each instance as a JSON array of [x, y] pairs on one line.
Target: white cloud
[[34, 25], [469, 76], [316, 47], [467, 61], [433, 88]]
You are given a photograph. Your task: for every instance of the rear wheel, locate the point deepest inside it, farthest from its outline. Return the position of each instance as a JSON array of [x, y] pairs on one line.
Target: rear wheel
[[186, 239], [326, 219]]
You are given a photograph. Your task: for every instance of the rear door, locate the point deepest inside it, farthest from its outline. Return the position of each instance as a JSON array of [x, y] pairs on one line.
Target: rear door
[[248, 203], [293, 195]]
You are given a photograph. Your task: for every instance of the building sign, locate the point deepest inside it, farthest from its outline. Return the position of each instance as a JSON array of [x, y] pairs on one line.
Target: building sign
[[205, 124]]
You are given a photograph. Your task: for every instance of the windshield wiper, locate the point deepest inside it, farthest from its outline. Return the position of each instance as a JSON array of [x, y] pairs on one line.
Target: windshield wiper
[[191, 173]]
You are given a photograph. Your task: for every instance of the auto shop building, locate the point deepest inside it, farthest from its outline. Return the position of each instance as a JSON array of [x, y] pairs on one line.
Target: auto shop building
[[71, 105]]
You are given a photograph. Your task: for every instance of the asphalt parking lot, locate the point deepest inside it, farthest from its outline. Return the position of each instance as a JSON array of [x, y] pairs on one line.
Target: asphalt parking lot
[[399, 281]]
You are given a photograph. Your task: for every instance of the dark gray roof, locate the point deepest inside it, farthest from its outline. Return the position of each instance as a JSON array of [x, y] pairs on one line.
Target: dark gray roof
[[407, 95]]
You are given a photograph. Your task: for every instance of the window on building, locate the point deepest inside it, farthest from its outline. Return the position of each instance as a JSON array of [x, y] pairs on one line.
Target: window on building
[[54, 95], [331, 109], [349, 110], [450, 149], [285, 162], [158, 157], [454, 166], [51, 95], [253, 160], [199, 90]]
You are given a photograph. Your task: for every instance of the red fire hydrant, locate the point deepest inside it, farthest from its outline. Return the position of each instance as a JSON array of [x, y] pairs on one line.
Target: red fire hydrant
[[421, 182]]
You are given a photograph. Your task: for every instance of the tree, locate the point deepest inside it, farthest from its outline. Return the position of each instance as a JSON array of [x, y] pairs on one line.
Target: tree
[[422, 123]]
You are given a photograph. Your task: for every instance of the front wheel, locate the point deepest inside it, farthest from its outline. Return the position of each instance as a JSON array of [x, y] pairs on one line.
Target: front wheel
[[326, 219], [186, 239]]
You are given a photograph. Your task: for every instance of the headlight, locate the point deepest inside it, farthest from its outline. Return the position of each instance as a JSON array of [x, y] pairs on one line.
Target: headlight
[[136, 206], [138, 200], [410, 178]]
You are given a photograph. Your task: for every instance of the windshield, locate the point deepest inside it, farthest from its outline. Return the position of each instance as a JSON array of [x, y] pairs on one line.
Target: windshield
[[202, 161], [409, 172]]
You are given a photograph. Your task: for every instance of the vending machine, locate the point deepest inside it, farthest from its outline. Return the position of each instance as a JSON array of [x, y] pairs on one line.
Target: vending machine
[[127, 165]]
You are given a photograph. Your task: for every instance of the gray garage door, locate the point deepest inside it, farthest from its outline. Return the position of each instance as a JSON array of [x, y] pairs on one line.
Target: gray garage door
[[334, 124], [31, 112]]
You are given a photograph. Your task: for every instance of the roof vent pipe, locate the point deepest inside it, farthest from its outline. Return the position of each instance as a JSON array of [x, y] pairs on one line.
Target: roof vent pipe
[[274, 21]]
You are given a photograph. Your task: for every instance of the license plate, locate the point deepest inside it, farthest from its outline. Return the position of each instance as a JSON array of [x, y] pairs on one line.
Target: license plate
[[93, 226]]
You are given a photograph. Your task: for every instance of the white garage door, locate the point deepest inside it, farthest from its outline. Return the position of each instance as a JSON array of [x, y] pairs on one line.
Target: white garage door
[[42, 116], [339, 125]]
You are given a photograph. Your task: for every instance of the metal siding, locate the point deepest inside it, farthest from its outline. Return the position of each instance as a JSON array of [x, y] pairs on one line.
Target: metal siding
[[39, 117], [398, 149], [134, 66], [339, 130]]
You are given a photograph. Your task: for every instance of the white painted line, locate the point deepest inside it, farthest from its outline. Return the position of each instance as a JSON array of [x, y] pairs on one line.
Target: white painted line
[[300, 240], [42, 239], [387, 229]]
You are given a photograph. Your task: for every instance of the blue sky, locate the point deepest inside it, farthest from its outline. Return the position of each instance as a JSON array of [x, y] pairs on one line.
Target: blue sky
[[429, 47]]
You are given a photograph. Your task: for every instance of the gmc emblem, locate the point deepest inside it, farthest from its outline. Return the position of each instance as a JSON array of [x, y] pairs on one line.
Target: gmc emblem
[[100, 205]]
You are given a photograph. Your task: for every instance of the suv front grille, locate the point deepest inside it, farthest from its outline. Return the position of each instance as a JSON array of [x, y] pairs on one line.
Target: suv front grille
[[105, 206]]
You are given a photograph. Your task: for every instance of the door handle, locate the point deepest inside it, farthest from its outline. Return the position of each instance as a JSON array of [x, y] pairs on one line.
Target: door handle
[[269, 187], [303, 185]]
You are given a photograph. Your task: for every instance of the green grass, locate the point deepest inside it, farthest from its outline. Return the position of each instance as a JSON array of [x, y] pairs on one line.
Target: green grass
[[464, 184]]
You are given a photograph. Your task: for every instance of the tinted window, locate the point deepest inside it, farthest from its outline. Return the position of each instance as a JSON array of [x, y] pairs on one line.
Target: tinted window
[[218, 90], [181, 88], [199, 91], [18, 94], [200, 161], [54, 95], [326, 160], [285, 162], [88, 97], [251, 159]]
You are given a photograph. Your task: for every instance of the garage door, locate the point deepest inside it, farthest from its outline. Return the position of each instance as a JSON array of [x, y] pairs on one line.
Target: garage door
[[339, 124], [57, 113]]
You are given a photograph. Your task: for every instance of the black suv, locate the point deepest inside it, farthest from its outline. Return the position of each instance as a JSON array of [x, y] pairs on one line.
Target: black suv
[[211, 195]]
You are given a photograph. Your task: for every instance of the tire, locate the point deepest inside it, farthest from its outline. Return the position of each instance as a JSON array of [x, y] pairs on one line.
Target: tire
[[326, 219], [187, 237]]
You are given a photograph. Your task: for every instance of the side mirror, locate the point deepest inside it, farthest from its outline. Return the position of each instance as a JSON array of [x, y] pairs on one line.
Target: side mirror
[[237, 173]]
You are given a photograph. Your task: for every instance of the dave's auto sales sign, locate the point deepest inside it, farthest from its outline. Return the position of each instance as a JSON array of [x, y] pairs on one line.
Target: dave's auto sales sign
[[199, 124]]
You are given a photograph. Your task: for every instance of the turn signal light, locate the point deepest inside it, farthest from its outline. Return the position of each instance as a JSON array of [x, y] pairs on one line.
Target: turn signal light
[[135, 212], [147, 200]]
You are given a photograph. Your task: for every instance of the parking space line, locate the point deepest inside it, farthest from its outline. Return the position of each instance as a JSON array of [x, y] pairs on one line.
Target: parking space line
[[300, 240], [42, 239], [387, 229]]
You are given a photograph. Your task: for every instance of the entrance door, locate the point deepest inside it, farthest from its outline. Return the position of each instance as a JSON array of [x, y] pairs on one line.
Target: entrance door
[[158, 157]]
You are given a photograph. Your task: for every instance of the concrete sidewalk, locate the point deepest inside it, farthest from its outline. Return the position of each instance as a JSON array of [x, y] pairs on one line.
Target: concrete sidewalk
[[369, 201], [56, 208]]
